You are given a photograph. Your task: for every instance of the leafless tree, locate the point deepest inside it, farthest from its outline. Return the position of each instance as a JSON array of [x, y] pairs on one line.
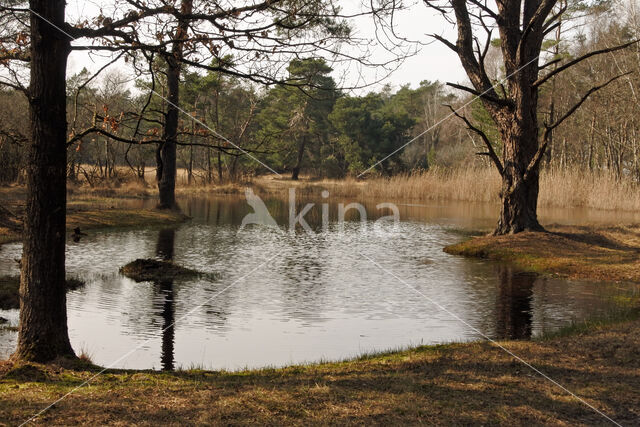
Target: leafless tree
[[513, 102]]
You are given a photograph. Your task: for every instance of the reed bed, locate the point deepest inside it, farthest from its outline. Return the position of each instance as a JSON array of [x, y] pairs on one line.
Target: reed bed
[[558, 188]]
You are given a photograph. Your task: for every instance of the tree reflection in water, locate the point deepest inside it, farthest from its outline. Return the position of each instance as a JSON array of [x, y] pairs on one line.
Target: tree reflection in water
[[513, 307], [164, 252]]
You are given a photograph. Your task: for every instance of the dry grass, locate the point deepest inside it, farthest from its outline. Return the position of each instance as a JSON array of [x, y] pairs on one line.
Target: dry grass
[[610, 253], [558, 188], [94, 212], [475, 383], [575, 188]]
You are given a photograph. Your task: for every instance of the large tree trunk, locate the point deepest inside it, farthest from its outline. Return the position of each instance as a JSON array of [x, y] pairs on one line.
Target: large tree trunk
[[518, 209], [520, 182], [42, 334], [166, 155]]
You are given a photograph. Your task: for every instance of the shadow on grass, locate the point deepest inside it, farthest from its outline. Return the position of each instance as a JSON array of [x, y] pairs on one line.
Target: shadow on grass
[[459, 383]]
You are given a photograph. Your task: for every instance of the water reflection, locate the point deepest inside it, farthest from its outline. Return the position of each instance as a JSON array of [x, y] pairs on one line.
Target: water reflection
[[164, 251], [317, 299], [514, 311]]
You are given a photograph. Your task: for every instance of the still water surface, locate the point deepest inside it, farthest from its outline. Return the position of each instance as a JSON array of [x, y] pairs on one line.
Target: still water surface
[[272, 298]]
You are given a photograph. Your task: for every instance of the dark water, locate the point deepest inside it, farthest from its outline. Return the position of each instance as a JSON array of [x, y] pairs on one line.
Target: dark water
[[275, 298]]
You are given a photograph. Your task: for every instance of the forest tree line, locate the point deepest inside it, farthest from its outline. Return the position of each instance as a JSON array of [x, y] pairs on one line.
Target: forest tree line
[[314, 127]]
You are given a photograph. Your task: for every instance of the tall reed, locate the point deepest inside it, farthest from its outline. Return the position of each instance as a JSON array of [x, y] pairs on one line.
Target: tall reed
[[558, 188]]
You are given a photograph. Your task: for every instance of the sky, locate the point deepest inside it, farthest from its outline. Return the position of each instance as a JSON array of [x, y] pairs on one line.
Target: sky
[[433, 61]]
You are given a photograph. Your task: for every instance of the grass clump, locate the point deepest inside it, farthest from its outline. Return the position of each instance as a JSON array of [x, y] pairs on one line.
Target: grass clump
[[149, 270]]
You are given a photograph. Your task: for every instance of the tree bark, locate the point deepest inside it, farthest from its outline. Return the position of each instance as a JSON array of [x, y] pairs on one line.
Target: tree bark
[[520, 186], [166, 155], [296, 169], [42, 333]]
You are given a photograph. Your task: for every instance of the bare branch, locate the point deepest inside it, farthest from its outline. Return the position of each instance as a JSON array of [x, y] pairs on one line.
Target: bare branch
[[569, 64], [490, 151], [577, 105]]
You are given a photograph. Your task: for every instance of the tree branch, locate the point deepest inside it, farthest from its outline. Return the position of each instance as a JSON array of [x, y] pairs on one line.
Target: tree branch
[[577, 105], [569, 64], [483, 95], [490, 151]]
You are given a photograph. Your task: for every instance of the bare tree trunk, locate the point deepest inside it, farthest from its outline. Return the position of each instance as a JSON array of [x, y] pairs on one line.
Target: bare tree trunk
[[42, 334], [209, 167], [520, 188], [296, 169], [166, 155], [591, 141], [193, 137], [190, 168]]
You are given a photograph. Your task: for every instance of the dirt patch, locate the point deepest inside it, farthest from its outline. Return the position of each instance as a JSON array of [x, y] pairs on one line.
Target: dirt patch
[[150, 270]]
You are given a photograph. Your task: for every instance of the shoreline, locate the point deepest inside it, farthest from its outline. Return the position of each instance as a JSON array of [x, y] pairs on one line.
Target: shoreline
[[433, 384], [96, 213], [597, 253]]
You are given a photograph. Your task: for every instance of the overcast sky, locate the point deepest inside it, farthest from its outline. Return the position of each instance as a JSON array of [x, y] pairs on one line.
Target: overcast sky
[[433, 61]]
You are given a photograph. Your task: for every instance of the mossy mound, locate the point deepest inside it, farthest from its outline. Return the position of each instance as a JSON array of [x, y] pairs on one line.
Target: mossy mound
[[10, 291], [150, 270], [26, 372]]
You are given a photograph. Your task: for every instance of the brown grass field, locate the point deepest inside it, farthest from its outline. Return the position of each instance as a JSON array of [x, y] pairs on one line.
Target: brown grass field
[[558, 188], [461, 384]]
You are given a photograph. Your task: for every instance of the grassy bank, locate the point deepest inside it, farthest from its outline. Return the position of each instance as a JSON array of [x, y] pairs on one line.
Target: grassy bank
[[88, 213], [475, 383], [610, 253]]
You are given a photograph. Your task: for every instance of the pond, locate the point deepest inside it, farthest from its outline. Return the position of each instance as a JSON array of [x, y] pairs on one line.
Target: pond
[[272, 297]]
